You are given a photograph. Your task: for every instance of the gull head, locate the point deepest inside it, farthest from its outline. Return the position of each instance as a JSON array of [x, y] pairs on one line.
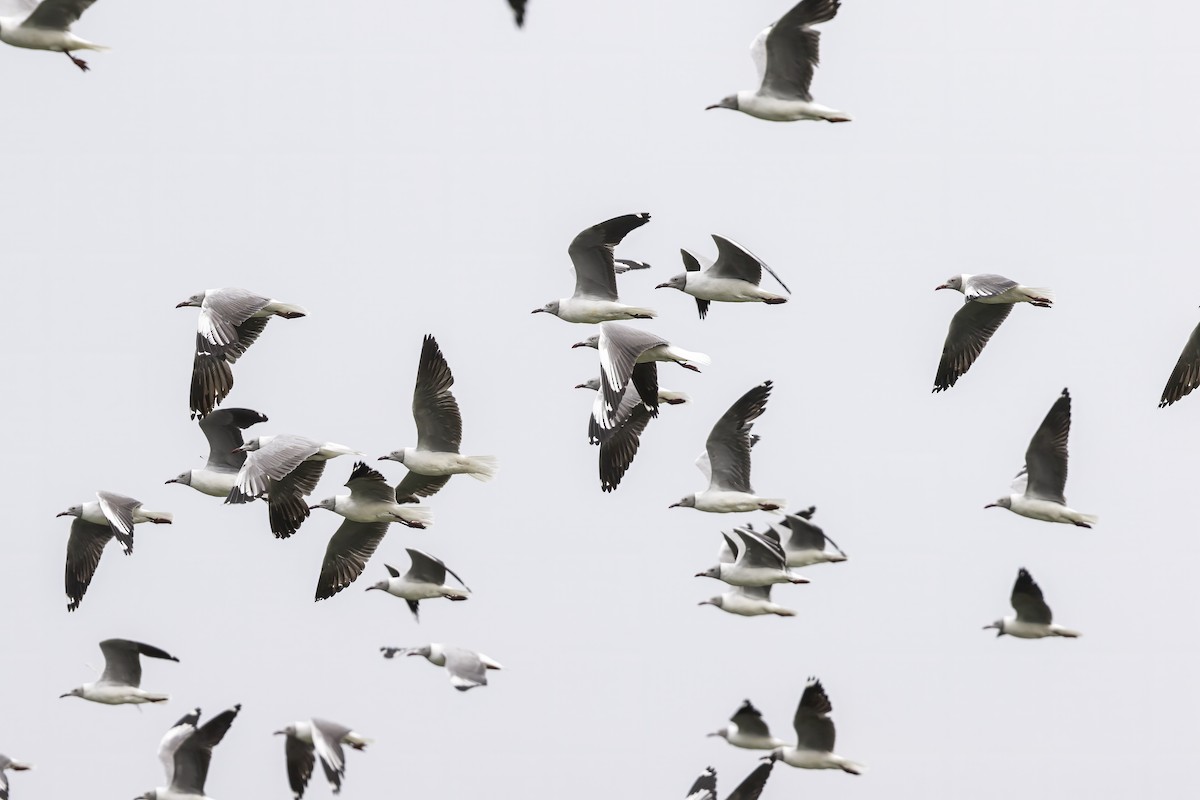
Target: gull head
[[184, 477], [424, 651], [73, 511], [290, 730], [998, 625], [327, 503], [727, 102], [76, 692], [952, 283], [678, 282], [687, 502], [549, 308], [195, 301], [711, 572], [1003, 502], [382, 585], [591, 341], [395, 455], [593, 384]]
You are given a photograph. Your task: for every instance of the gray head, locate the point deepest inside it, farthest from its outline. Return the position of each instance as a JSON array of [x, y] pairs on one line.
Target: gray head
[[289, 730], [677, 282], [727, 102], [395, 455], [998, 625], [184, 477], [952, 283], [73, 511], [327, 503], [1003, 502], [192, 302], [711, 572], [591, 341], [593, 384], [549, 308], [76, 692], [724, 732], [687, 502], [383, 585]]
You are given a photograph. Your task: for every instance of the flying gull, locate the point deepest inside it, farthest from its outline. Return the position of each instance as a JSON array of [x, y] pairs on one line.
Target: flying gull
[[758, 561], [285, 469], [786, 55], [47, 26], [369, 509], [121, 680], [733, 278], [747, 729], [726, 461], [308, 740], [1039, 485], [230, 321], [223, 429], [439, 433], [989, 299], [1033, 619], [595, 298], [705, 787], [186, 752], [815, 735], [748, 601], [7, 764], [1186, 375], [467, 668], [619, 444], [804, 544], [425, 579]]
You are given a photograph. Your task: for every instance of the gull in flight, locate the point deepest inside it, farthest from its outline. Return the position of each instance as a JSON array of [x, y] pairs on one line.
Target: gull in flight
[[47, 26], [748, 601], [308, 740], [1033, 619], [186, 752], [425, 579], [121, 680], [815, 735], [7, 764], [1038, 487], [223, 429], [439, 433], [726, 461], [705, 787], [786, 55], [988, 301], [619, 444], [747, 729], [733, 278], [467, 668], [758, 561], [230, 321], [595, 298], [369, 509], [804, 543]]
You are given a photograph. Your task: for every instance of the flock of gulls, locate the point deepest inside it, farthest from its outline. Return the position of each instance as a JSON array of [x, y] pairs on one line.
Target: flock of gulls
[[281, 471]]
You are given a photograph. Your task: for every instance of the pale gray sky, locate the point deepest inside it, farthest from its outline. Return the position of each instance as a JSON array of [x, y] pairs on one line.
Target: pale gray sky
[[403, 169]]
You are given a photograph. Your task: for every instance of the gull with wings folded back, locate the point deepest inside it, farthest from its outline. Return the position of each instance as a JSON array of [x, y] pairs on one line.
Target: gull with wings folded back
[[1033, 619], [705, 787], [7, 764], [1186, 375], [619, 444], [726, 460], [439, 433], [804, 544], [733, 278], [121, 680], [786, 55], [186, 752], [1038, 487], [223, 429], [758, 561], [369, 509], [595, 298], [747, 729], [230, 321], [815, 735], [285, 469], [425, 579], [467, 668], [988, 301], [308, 740], [47, 26]]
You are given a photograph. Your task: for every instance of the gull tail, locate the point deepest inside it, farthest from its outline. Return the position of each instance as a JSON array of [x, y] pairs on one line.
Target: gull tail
[[356, 741], [783, 612], [483, 468], [1086, 520], [640, 313], [1039, 295], [455, 594], [680, 354], [19, 766], [673, 398], [156, 698], [776, 504], [1067, 632], [852, 767], [285, 310], [415, 516], [159, 517]]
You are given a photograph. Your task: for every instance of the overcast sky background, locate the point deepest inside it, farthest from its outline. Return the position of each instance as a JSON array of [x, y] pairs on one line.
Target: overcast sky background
[[411, 168]]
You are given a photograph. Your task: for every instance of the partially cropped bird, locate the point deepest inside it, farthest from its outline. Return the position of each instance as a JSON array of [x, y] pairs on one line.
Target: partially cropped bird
[[47, 26]]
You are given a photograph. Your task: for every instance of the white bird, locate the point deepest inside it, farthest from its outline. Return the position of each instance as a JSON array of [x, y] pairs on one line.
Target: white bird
[[726, 461], [705, 787], [747, 729], [230, 321], [786, 55], [815, 735], [1039, 485], [7, 764], [439, 433], [988, 301], [47, 26], [223, 429], [369, 509], [285, 469], [467, 668], [121, 680], [595, 298], [804, 544], [733, 278], [186, 752], [1033, 619], [758, 561], [748, 601], [308, 740], [425, 579]]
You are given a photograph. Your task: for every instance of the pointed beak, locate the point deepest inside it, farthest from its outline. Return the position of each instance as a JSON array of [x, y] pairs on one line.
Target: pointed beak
[[675, 505], [184, 304], [172, 480], [707, 603], [313, 508], [992, 505], [699, 575], [663, 286], [241, 449], [710, 108], [63, 514], [61, 696], [581, 386], [537, 311], [988, 627], [942, 286], [711, 734]]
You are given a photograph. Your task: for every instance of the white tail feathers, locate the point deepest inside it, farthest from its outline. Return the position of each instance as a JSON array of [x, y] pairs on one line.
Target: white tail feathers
[[19, 766], [641, 313], [784, 612], [483, 468], [420, 515], [673, 398], [1088, 519], [775, 504], [1039, 293], [852, 767], [157, 698], [1067, 632], [286, 310], [455, 594], [688, 355], [159, 517]]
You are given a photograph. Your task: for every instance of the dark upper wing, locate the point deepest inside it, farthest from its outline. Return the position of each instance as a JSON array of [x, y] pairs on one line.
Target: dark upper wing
[[350, 547], [416, 485], [692, 264], [84, 548], [212, 377], [286, 506], [439, 423], [705, 787], [592, 254], [728, 445], [752, 787], [814, 730], [57, 15], [1186, 375], [749, 720], [1046, 457], [620, 346], [793, 49], [619, 445], [300, 762], [518, 8], [223, 429], [1027, 600], [970, 329], [368, 484], [195, 753]]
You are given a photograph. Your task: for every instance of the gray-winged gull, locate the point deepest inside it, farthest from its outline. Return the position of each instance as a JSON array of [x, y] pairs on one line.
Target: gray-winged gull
[[467, 668], [7, 764], [1186, 375], [804, 544], [747, 729], [312, 739], [988, 301], [786, 54], [230, 320], [705, 787], [369, 509], [47, 26], [726, 460], [758, 561], [425, 580], [186, 752], [439, 433], [1033, 619], [223, 429], [1038, 487], [815, 735], [733, 278], [619, 444], [748, 601], [595, 298], [121, 680]]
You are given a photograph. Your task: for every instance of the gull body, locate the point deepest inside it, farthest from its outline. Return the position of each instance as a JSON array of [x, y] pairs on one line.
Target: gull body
[[758, 561], [748, 730], [733, 278], [120, 683], [467, 668], [186, 753], [724, 290], [992, 289], [1033, 619], [815, 735], [48, 27], [223, 429], [748, 601], [365, 509], [425, 580], [309, 740]]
